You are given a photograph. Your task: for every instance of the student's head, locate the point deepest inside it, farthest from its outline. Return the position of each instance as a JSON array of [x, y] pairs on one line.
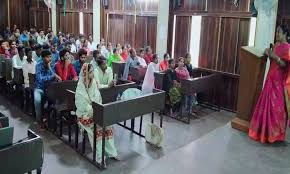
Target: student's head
[[86, 43], [166, 57], [96, 54], [132, 52], [3, 44], [118, 45], [99, 47], [21, 51], [68, 45], [87, 74], [24, 31], [90, 38], [171, 63], [82, 38], [17, 33], [53, 47], [282, 33], [187, 59], [28, 53], [148, 50], [45, 47], [109, 46], [103, 42], [38, 49], [46, 56], [64, 55], [128, 46], [141, 53], [49, 30], [102, 63], [72, 38], [12, 44], [124, 49], [41, 32], [115, 51], [155, 58], [180, 62], [82, 55]]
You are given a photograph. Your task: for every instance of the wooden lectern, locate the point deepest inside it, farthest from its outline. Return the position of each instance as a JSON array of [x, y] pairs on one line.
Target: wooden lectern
[[252, 71]]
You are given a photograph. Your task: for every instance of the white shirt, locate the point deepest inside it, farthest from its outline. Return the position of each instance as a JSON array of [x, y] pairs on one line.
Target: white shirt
[[94, 63], [41, 40], [142, 62], [73, 48], [17, 63], [28, 68], [92, 46]]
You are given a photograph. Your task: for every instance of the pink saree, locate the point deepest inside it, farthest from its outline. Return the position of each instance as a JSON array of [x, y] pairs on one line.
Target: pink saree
[[269, 120]]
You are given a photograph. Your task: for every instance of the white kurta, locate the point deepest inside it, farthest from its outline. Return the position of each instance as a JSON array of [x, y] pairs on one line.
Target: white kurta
[[148, 83]]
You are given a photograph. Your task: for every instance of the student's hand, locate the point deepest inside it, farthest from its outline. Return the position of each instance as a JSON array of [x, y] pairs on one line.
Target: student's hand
[[75, 79], [112, 83], [57, 78]]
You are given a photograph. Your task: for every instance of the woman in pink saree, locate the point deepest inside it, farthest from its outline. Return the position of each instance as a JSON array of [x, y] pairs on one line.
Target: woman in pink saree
[[269, 121]]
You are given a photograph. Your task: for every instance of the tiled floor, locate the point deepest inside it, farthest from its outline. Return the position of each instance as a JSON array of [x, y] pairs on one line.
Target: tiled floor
[[207, 145]]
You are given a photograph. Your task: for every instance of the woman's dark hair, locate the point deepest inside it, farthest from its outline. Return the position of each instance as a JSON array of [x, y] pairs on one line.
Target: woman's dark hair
[[170, 61], [98, 45], [45, 53], [27, 50], [147, 48], [95, 53], [155, 56], [20, 48], [62, 52], [11, 41], [180, 58], [186, 55], [165, 55], [82, 52], [141, 50], [114, 50], [101, 60], [37, 47], [286, 32]]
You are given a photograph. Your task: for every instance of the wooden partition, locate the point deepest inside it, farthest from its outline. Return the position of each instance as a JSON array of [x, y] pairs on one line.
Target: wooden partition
[[251, 82]]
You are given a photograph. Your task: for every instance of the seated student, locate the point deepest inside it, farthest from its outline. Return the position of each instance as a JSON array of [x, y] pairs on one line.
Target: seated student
[[82, 59], [164, 64], [73, 43], [19, 59], [85, 46], [104, 74], [131, 62], [148, 83], [96, 55], [124, 53], [187, 62], [13, 48], [109, 51], [28, 66], [171, 87], [115, 57], [54, 55], [41, 39], [141, 58], [148, 55], [24, 37], [63, 68], [87, 92], [80, 42], [182, 74], [44, 74], [36, 55], [91, 44], [4, 49]]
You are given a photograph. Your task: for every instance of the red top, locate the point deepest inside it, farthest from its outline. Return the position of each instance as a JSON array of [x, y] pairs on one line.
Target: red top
[[124, 56], [164, 65], [5, 52], [68, 73], [148, 58], [182, 73]]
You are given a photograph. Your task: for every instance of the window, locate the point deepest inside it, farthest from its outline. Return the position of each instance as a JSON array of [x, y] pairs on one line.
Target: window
[[195, 40]]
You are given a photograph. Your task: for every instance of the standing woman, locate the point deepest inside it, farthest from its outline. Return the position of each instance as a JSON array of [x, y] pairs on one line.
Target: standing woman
[[87, 92], [269, 121]]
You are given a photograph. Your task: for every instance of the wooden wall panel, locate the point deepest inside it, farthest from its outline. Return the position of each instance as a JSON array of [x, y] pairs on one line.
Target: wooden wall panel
[[18, 14], [182, 36], [209, 39], [88, 23], [3, 15], [129, 30], [244, 32], [69, 23], [116, 29], [115, 5], [228, 45], [141, 32], [192, 5], [152, 32]]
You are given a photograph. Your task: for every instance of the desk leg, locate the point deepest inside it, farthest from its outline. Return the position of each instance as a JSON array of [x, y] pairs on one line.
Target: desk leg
[[69, 129], [125, 123], [152, 117], [103, 146], [161, 120], [84, 142], [94, 144], [132, 124], [141, 122], [76, 135]]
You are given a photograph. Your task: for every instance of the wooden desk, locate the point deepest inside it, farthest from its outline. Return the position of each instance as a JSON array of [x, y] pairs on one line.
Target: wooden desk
[[137, 73], [252, 73], [118, 68]]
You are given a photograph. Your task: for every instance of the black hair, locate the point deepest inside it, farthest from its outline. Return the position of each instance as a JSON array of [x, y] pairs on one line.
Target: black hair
[[170, 61], [27, 50], [186, 55], [45, 47], [62, 52], [37, 47], [98, 45], [147, 48], [101, 60], [20, 48], [131, 51], [155, 56], [95, 53], [82, 52], [286, 32], [45, 53], [114, 50], [141, 50], [165, 55]]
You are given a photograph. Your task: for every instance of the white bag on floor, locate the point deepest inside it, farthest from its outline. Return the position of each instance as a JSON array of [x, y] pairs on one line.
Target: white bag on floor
[[154, 134]]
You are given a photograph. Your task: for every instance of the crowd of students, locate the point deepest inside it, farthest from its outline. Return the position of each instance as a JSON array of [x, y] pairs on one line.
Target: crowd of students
[[63, 57]]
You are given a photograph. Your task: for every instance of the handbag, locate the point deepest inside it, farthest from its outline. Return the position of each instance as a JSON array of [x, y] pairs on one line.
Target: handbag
[[154, 135]]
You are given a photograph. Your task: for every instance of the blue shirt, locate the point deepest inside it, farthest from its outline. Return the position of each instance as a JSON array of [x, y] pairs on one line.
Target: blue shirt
[[24, 38], [54, 59], [43, 75], [78, 67]]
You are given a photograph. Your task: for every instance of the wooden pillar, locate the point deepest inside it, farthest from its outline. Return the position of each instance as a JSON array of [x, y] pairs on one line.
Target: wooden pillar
[[53, 16], [97, 20]]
